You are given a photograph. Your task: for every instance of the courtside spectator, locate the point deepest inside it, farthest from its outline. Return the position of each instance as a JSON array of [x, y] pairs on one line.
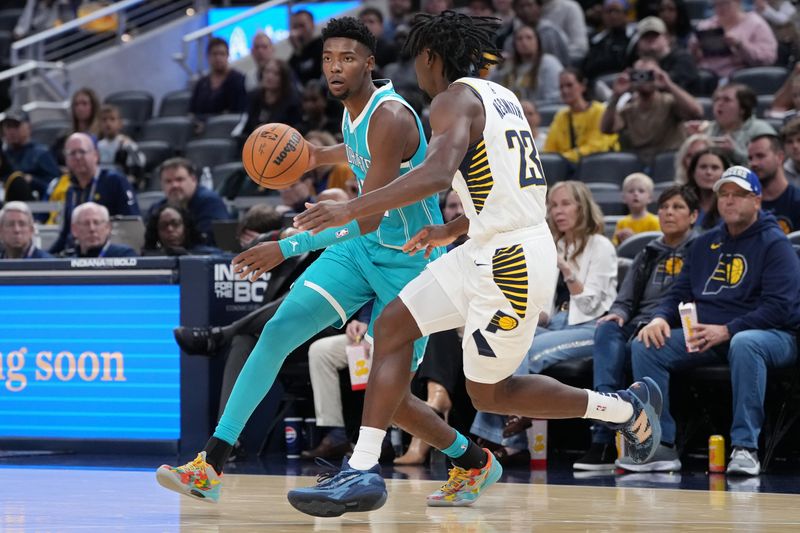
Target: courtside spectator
[[261, 51], [747, 316], [90, 183], [778, 197], [91, 229], [16, 233], [656, 100], [34, 160], [179, 183], [172, 231]]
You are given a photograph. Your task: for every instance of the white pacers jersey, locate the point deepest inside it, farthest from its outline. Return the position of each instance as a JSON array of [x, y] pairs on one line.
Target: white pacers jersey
[[500, 181]]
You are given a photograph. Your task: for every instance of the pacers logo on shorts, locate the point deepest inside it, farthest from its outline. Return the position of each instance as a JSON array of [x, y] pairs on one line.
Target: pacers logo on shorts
[[502, 321]]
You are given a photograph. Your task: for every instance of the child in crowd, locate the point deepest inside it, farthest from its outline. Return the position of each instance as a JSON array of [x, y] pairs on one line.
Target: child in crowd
[[117, 150], [637, 192]]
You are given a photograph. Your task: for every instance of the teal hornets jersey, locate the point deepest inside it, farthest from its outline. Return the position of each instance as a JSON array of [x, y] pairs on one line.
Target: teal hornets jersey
[[398, 225]]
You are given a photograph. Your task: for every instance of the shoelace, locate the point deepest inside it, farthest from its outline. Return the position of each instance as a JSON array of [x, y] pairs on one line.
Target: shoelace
[[458, 476], [330, 474]]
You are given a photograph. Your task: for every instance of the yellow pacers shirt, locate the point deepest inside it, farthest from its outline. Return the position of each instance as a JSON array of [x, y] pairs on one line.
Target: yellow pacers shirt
[[649, 222]]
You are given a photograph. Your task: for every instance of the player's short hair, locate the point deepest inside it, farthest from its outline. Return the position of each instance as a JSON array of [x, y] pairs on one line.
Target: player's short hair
[[350, 28], [465, 44], [640, 177]]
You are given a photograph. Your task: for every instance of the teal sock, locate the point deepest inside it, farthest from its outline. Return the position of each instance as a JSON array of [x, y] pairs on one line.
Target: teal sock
[[293, 324], [458, 448]]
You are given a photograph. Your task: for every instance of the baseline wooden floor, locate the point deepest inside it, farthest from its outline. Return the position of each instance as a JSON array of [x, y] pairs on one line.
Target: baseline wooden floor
[[44, 499]]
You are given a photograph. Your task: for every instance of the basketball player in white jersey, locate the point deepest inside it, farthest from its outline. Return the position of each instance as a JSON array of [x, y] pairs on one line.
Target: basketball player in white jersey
[[494, 285]]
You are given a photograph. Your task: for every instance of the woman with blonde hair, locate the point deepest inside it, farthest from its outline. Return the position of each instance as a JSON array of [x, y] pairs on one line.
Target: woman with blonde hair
[[683, 157], [585, 290]]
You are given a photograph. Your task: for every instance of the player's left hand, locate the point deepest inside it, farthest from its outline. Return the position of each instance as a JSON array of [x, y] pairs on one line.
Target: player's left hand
[[259, 259], [706, 336], [323, 215]]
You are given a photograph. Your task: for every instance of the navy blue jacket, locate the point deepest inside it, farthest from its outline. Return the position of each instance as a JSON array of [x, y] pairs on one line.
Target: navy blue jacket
[[205, 207], [785, 208], [751, 281], [111, 189], [37, 160], [32, 253]]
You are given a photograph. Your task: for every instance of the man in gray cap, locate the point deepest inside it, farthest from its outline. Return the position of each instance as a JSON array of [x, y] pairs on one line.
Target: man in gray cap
[[33, 159], [652, 40]]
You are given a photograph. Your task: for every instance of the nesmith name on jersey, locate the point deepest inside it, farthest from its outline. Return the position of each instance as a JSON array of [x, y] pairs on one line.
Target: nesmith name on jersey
[[504, 107], [356, 160]]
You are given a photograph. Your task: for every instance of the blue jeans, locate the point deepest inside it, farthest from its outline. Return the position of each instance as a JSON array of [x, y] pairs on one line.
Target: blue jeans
[[750, 354], [612, 351], [557, 342]]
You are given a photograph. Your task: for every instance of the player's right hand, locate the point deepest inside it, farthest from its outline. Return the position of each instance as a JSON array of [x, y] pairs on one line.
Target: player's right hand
[[428, 239], [655, 333], [258, 260]]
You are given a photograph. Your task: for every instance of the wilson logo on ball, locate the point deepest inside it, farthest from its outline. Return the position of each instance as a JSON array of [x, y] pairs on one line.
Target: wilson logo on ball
[[291, 146]]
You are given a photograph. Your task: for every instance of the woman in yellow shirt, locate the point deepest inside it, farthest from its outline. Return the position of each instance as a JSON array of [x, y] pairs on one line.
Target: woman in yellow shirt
[[575, 131]]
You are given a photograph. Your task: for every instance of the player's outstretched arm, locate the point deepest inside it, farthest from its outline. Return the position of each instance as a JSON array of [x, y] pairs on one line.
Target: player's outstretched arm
[[452, 115], [326, 155]]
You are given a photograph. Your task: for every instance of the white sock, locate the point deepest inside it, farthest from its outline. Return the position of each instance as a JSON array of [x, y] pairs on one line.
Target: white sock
[[368, 448], [608, 407]]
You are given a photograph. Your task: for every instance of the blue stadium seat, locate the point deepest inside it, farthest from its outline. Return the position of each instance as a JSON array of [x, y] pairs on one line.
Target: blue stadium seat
[[763, 80], [609, 167], [175, 104]]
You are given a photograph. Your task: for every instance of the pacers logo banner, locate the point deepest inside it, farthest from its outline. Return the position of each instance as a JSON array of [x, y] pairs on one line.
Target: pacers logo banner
[[89, 361]]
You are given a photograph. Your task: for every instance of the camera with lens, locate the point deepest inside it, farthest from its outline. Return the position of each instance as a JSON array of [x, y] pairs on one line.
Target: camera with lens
[[642, 76]]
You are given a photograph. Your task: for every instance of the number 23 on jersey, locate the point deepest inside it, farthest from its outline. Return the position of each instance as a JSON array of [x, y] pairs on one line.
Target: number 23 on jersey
[[530, 168]]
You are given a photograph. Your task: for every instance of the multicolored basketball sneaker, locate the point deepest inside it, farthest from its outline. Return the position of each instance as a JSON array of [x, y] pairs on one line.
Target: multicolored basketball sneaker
[[642, 432], [345, 491], [465, 486], [197, 479]]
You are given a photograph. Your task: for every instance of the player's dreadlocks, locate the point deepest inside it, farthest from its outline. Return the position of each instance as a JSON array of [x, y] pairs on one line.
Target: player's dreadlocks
[[465, 44], [350, 28]]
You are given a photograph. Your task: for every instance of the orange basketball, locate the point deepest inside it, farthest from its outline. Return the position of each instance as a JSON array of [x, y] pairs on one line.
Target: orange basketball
[[275, 156]]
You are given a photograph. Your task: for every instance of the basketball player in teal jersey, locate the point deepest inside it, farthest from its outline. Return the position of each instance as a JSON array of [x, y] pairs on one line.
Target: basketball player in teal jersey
[[495, 285], [363, 261]]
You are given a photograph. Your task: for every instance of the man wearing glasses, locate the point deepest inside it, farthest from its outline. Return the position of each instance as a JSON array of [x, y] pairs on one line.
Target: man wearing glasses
[[88, 183], [744, 278]]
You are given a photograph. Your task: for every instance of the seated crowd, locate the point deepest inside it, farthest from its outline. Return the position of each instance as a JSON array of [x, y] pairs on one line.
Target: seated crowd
[[619, 78]]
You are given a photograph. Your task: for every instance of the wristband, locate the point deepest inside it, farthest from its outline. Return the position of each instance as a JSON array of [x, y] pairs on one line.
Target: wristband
[[306, 242]]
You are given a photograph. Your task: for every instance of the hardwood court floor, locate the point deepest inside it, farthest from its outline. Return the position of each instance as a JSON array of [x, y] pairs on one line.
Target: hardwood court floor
[[89, 500]]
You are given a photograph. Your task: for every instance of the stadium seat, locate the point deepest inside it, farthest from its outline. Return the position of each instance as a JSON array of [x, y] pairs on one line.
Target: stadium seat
[[636, 243], [555, 167], [148, 198], [661, 186], [794, 237], [175, 104], [6, 38], [155, 152], [776, 123], [708, 107], [211, 152], [763, 80], [602, 187], [50, 131], [663, 167], [221, 173], [609, 167], [175, 131], [9, 18], [698, 9], [136, 106], [221, 126], [547, 112], [708, 82], [623, 267], [764, 103]]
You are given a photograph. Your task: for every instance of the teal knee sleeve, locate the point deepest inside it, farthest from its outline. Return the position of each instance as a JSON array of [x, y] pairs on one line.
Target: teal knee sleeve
[[293, 324]]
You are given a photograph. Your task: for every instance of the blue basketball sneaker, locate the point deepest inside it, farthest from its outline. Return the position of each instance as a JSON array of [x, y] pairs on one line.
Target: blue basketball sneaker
[[345, 491], [642, 432]]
